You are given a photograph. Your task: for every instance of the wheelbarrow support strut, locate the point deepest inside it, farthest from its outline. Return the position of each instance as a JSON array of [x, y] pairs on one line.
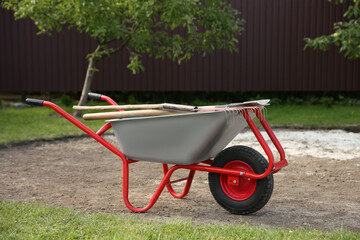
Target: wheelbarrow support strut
[[272, 168]]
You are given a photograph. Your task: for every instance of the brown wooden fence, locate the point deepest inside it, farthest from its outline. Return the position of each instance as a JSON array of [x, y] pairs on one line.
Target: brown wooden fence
[[270, 58]]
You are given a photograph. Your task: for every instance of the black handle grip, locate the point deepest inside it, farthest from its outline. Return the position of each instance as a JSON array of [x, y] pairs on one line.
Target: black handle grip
[[95, 96], [35, 102]]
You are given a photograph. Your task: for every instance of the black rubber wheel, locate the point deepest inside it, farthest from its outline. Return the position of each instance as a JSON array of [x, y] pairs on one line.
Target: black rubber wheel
[[240, 195]]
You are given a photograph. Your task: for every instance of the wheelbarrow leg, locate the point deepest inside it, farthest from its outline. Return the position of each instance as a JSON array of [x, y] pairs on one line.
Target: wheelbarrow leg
[[189, 180], [155, 196]]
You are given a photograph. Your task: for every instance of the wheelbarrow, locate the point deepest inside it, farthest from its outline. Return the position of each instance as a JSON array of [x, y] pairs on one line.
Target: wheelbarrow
[[191, 138]]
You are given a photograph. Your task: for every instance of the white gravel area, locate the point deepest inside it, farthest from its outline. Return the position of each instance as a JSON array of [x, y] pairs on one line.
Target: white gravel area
[[333, 144]]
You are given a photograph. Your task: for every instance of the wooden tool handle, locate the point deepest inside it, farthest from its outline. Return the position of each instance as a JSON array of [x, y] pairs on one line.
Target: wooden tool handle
[[164, 106], [179, 107], [127, 114], [119, 107]]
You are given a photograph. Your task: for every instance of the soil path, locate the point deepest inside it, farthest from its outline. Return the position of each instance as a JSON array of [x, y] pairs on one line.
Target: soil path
[[319, 189]]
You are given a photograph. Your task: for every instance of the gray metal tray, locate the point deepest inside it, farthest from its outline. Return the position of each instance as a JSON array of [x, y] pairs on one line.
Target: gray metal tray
[[179, 139]]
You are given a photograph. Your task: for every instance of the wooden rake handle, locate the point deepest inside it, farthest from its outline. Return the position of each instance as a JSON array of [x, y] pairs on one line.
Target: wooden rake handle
[[128, 114], [119, 107], [163, 106]]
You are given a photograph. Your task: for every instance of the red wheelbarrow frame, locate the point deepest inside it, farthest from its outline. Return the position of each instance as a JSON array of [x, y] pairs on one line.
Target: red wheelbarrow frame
[[201, 166]]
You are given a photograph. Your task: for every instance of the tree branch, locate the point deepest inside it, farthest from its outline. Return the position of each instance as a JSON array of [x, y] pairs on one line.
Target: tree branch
[[125, 42]]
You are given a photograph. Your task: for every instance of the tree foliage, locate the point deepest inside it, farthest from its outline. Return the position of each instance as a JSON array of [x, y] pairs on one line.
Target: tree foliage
[[346, 33], [160, 28]]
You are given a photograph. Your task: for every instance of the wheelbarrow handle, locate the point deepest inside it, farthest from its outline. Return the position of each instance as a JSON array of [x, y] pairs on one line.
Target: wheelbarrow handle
[[35, 102], [95, 96]]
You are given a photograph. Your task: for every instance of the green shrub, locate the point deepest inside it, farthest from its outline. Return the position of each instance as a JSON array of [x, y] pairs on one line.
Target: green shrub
[[327, 101], [132, 99], [294, 101], [312, 100], [346, 101], [275, 101], [66, 100]]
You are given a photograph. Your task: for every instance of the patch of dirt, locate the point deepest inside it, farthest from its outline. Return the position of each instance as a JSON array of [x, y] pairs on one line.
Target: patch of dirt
[[319, 189]]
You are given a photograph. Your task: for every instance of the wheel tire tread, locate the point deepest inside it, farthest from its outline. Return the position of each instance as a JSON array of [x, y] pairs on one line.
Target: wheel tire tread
[[269, 184]]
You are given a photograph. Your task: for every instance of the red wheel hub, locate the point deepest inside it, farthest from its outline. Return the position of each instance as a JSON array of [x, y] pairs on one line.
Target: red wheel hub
[[238, 188]]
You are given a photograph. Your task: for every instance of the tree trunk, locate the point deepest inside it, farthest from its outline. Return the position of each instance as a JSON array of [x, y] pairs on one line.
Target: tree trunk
[[87, 83]]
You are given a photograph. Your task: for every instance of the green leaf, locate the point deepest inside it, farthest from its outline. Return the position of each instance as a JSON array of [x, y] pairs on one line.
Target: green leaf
[[175, 29], [346, 34]]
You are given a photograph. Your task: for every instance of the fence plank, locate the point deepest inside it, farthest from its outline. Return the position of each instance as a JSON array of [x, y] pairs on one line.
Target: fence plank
[[270, 57]]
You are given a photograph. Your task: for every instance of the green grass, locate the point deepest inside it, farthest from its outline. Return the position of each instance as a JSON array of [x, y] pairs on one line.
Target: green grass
[[33, 221], [314, 115], [37, 123], [44, 123]]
